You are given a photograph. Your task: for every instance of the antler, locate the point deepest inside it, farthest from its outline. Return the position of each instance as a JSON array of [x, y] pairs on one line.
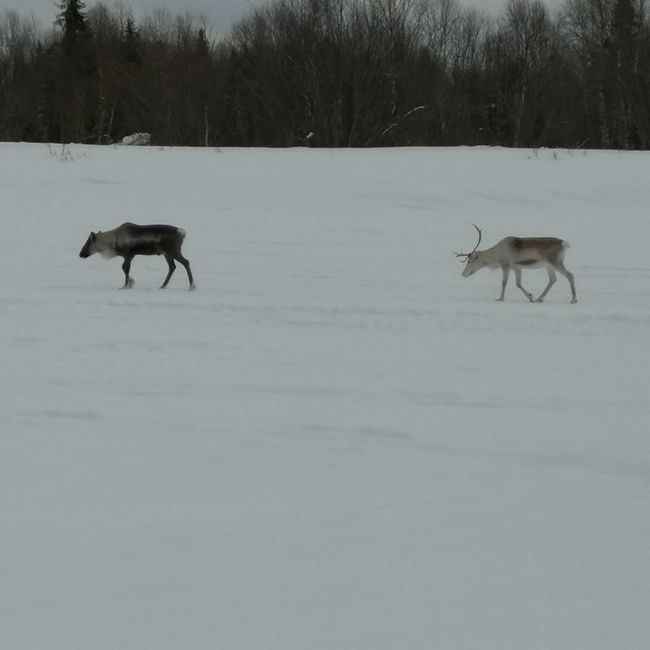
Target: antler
[[466, 255]]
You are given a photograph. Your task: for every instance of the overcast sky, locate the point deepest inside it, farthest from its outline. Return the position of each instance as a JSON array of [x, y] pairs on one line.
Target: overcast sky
[[220, 13]]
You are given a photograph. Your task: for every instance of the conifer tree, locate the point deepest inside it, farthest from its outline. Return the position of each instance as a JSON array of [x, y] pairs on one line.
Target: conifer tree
[[72, 21]]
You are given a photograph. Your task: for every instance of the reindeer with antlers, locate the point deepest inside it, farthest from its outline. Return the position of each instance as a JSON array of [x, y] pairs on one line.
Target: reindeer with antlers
[[521, 252]]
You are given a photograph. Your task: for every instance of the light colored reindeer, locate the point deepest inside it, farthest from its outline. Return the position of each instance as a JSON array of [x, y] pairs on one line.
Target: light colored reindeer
[[515, 253]]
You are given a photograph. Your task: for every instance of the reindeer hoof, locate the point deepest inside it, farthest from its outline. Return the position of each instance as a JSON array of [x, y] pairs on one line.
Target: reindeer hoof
[[540, 299], [129, 284], [574, 301], [193, 288]]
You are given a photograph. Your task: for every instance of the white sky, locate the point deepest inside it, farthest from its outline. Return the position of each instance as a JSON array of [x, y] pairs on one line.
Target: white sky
[[220, 13]]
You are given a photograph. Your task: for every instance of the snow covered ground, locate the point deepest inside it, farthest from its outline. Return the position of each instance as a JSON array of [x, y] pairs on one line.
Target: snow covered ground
[[336, 442]]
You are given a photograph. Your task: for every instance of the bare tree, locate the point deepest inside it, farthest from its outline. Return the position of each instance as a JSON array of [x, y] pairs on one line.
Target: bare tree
[[17, 45], [610, 42]]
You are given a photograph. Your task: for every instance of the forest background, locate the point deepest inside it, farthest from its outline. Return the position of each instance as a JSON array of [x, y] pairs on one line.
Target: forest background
[[333, 73]]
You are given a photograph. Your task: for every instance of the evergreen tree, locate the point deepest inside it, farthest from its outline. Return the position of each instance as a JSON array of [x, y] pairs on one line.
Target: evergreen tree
[[72, 21], [76, 86]]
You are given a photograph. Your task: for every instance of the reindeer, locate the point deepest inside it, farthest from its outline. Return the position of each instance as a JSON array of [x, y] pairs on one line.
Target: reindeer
[[521, 252], [129, 240]]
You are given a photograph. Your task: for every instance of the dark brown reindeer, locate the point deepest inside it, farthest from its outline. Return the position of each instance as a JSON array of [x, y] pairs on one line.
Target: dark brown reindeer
[[130, 239], [516, 253]]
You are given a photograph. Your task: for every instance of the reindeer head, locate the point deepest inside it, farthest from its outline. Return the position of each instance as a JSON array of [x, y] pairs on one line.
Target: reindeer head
[[472, 260], [89, 247], [97, 242]]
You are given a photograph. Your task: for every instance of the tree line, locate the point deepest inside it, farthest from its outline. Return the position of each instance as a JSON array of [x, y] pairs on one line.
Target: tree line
[[333, 73]]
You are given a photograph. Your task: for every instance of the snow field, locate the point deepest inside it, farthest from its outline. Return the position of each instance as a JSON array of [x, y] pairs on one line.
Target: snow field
[[336, 441]]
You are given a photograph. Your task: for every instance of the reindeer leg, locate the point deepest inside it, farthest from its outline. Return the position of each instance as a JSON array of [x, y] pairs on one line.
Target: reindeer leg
[[172, 268], [518, 281], [552, 279], [569, 276], [186, 264], [126, 267], [504, 283]]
